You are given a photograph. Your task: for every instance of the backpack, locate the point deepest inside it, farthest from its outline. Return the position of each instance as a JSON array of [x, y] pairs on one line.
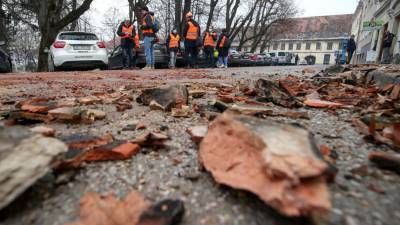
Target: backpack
[[156, 25]]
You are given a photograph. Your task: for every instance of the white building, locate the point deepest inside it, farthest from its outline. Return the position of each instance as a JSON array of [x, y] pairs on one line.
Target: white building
[[319, 37], [386, 16]]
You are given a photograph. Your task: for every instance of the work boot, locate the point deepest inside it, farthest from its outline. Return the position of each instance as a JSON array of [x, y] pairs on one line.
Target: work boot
[[146, 68]]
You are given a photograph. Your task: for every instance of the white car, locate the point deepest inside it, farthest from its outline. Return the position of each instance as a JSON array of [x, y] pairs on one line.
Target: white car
[[77, 50]]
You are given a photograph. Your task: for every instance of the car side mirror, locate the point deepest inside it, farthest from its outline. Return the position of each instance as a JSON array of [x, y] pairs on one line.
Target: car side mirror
[[2, 43]]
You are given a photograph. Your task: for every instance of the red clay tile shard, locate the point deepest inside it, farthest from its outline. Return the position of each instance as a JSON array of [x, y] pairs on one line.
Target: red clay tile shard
[[108, 210], [317, 103], [38, 105], [269, 91], [111, 152], [386, 160], [197, 133], [151, 139], [167, 97], [278, 162]]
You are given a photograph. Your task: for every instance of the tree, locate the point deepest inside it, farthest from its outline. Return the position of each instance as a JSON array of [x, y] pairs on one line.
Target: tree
[[47, 16], [111, 23]]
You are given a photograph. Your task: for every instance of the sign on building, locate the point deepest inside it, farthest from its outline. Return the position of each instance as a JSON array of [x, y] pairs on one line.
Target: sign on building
[[373, 25]]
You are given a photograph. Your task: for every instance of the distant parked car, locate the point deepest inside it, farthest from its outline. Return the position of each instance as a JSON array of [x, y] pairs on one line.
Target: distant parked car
[[234, 54], [77, 50], [5, 60], [160, 55], [302, 62]]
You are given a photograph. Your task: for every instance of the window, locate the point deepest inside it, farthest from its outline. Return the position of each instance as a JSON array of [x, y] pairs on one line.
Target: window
[[283, 46], [308, 46], [275, 47], [281, 54], [290, 46], [340, 45], [298, 46], [318, 45], [330, 46], [327, 59], [78, 36]]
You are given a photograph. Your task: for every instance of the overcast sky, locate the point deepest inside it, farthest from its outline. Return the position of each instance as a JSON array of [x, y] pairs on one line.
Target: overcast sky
[[307, 8]]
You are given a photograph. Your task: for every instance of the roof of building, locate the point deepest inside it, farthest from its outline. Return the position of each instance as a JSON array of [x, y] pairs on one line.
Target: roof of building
[[318, 27]]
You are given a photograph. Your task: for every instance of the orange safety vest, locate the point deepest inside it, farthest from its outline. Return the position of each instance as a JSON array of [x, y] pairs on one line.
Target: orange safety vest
[[137, 41], [193, 32], [222, 44], [209, 40], [148, 31], [127, 30], [174, 41]]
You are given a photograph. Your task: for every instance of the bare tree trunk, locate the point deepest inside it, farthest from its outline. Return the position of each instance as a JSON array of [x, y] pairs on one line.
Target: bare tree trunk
[[74, 24], [213, 4], [186, 8], [3, 27], [50, 24], [178, 15]]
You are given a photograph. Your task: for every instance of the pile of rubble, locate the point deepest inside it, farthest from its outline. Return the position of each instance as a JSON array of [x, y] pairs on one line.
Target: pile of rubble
[[241, 147]]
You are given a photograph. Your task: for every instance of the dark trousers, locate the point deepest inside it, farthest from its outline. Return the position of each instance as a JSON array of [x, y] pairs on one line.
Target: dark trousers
[[350, 56], [209, 53], [127, 57], [191, 53]]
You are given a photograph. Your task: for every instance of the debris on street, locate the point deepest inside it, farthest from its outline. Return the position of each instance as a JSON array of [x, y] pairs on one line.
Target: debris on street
[[25, 157], [97, 210], [279, 145], [165, 98], [386, 160], [278, 162], [197, 133]]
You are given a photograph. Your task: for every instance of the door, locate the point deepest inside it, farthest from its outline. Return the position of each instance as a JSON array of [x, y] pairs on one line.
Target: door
[[385, 28], [327, 59]]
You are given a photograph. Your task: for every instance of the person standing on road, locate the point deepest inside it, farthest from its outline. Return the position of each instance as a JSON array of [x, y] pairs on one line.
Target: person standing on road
[[296, 59], [351, 48], [127, 33], [173, 45], [223, 46], [136, 41], [209, 47], [387, 44], [148, 37], [191, 33]]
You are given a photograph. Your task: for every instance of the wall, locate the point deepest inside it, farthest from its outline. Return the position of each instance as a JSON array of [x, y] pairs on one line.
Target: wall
[[319, 54]]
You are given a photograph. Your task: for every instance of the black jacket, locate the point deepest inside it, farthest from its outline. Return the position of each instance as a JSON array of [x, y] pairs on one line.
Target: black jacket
[[125, 42], [351, 45], [186, 28], [224, 50], [388, 39]]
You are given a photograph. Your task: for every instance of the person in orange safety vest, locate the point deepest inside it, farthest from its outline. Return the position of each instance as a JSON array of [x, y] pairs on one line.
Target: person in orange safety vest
[[223, 46], [127, 32], [209, 42], [173, 45], [191, 33]]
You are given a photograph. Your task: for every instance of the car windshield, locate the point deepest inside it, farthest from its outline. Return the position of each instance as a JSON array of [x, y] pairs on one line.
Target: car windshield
[[272, 54], [78, 37], [281, 54]]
